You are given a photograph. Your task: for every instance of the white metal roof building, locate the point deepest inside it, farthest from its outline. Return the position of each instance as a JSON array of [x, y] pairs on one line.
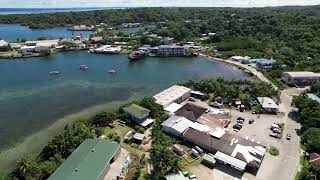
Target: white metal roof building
[[176, 125], [172, 108], [268, 105], [3, 43], [174, 94], [234, 162]]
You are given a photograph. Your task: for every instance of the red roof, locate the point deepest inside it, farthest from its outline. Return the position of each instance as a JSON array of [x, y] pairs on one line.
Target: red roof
[[314, 159]]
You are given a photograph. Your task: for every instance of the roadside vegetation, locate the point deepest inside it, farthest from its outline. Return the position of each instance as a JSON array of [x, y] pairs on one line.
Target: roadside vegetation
[[245, 90], [274, 151], [309, 117]]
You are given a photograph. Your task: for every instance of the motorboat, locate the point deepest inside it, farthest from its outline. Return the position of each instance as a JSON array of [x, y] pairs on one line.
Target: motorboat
[[84, 67], [112, 71], [55, 72], [137, 55]]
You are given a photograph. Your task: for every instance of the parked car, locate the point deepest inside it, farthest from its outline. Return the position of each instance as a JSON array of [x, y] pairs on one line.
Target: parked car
[[251, 121], [276, 130], [111, 125], [192, 99], [240, 121], [275, 135], [253, 112], [237, 126], [192, 176], [274, 125], [208, 110], [240, 118], [288, 136]]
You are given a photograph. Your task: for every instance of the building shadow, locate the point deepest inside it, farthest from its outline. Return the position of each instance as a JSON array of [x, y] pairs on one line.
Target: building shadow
[[227, 169]]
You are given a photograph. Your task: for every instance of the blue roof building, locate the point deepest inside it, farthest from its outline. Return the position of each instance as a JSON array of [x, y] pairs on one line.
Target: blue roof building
[[265, 64]]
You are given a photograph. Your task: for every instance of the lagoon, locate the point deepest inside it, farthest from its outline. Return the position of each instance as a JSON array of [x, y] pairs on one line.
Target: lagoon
[[31, 100], [12, 32]]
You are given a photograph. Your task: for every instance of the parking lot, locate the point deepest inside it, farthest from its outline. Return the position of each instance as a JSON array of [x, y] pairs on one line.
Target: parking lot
[[219, 172], [259, 130]]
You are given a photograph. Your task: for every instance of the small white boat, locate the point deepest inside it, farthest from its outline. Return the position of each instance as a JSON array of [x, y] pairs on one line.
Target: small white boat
[[84, 67], [112, 71], [55, 72]]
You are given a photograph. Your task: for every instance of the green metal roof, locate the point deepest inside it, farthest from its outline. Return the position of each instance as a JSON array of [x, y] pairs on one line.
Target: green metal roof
[[313, 97], [137, 111], [88, 161]]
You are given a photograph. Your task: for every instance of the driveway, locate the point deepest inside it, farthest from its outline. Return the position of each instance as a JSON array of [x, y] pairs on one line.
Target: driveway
[[285, 166], [116, 167]]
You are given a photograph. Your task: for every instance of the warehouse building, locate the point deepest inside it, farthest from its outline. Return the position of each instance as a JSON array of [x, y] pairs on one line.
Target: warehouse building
[[91, 160], [238, 152], [300, 78], [174, 94]]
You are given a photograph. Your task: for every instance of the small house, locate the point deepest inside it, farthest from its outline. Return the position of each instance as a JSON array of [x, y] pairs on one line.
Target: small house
[[138, 137], [268, 105], [139, 115]]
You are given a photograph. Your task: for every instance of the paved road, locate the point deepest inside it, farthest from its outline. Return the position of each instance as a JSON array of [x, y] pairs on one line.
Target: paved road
[[254, 71], [284, 166]]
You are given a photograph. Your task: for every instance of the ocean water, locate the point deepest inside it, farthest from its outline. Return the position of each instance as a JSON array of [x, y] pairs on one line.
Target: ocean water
[[4, 11], [12, 32], [31, 99]]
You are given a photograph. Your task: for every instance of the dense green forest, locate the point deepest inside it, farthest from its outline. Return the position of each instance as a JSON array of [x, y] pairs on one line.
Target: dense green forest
[[288, 34], [309, 117]]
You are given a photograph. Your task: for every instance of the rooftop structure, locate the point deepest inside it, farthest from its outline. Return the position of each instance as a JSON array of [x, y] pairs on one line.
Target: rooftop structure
[[3, 43], [176, 125], [91, 160], [313, 97], [173, 108], [268, 105], [174, 94], [137, 111], [314, 159], [264, 64], [199, 114], [213, 119], [209, 158], [138, 136], [191, 112], [139, 114], [300, 78], [229, 148]]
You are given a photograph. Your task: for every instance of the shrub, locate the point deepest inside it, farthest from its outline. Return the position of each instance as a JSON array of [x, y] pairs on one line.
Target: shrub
[[274, 151]]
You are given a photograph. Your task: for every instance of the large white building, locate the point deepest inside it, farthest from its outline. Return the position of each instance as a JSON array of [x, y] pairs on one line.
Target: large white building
[[300, 78], [174, 94]]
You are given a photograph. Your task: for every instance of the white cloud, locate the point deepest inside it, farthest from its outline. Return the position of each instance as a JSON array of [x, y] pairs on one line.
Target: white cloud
[[148, 3]]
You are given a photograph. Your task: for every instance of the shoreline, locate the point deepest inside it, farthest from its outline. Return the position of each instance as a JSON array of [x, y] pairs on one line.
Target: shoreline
[[242, 67], [35, 142]]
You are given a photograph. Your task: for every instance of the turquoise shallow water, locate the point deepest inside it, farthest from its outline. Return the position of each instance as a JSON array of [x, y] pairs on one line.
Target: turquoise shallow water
[[31, 99]]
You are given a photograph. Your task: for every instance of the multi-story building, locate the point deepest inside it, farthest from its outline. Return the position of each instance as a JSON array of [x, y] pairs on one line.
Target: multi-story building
[[165, 50]]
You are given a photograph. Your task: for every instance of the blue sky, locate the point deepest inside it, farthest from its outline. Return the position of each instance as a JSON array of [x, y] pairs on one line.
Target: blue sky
[[146, 3]]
